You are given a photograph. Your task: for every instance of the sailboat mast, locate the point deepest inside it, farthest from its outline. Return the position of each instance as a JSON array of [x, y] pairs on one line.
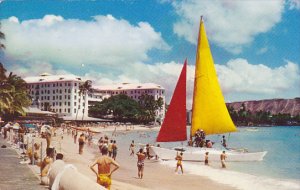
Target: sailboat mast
[[198, 40]]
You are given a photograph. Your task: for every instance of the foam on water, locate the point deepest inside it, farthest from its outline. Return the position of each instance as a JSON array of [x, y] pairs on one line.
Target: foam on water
[[236, 179]]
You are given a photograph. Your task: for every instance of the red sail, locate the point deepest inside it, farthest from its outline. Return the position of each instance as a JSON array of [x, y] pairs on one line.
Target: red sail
[[174, 125]]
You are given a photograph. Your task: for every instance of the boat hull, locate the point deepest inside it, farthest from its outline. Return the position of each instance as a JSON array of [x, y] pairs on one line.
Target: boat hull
[[198, 154]]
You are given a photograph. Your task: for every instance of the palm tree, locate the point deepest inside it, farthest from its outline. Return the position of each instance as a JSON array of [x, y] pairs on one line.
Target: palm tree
[[83, 90]]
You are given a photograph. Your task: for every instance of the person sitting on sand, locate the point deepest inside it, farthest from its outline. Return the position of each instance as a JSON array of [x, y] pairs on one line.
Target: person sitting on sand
[[223, 157], [206, 158], [131, 148], [179, 162], [104, 168], [140, 163], [81, 143]]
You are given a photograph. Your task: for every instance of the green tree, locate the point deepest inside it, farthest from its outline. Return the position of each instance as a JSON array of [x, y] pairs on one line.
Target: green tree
[[149, 106], [122, 107]]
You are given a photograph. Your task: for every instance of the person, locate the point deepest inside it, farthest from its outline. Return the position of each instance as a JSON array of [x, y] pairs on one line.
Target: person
[[209, 144], [223, 157], [104, 164], [206, 158], [45, 165], [114, 150], [224, 142], [179, 162], [140, 163], [81, 143], [34, 155], [110, 148], [148, 151], [75, 136], [131, 148], [156, 157], [202, 135]]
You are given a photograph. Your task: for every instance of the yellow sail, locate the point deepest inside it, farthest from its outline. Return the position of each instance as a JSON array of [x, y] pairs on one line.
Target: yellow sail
[[209, 109]]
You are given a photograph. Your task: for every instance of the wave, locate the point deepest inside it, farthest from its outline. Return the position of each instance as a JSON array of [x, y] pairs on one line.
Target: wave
[[236, 179]]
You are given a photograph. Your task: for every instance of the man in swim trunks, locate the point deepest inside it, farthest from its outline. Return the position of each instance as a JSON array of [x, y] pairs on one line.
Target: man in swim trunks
[[131, 148], [223, 157], [179, 162], [104, 168], [140, 163]]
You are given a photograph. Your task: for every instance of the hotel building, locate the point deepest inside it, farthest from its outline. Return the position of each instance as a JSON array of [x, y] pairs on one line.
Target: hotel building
[[58, 93]]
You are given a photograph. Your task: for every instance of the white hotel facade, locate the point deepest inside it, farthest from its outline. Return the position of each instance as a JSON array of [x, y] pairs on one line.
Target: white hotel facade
[[60, 93]]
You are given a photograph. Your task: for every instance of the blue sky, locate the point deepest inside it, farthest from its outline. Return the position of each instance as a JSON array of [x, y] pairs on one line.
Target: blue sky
[[255, 44]]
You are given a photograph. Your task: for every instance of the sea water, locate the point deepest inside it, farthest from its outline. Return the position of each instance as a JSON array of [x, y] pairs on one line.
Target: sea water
[[280, 168]]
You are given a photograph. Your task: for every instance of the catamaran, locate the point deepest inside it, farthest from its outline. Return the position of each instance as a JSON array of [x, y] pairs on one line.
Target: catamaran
[[209, 112]]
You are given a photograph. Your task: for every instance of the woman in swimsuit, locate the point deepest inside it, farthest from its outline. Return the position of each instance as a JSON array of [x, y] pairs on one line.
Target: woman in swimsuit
[[179, 162], [140, 163]]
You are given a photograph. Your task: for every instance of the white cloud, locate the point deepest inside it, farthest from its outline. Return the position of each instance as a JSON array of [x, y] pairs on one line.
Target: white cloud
[[239, 79], [230, 24], [294, 4], [104, 40]]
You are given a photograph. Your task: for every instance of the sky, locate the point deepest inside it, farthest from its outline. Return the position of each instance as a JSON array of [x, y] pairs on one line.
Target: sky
[[255, 43]]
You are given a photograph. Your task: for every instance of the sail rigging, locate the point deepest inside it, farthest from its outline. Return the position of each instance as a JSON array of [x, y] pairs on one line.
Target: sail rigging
[[209, 111], [174, 125]]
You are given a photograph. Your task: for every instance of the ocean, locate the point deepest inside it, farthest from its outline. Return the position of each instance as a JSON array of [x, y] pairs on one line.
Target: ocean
[[280, 168]]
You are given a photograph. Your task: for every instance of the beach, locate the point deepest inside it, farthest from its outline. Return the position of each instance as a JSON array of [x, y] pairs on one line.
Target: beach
[[156, 175], [161, 174]]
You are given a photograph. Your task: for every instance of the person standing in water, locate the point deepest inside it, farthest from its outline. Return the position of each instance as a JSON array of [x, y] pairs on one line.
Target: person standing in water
[[224, 142], [131, 148], [223, 157], [140, 163], [104, 164], [179, 162], [114, 150]]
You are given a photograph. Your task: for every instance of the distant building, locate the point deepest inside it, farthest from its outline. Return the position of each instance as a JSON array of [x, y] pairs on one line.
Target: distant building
[[58, 93], [135, 91]]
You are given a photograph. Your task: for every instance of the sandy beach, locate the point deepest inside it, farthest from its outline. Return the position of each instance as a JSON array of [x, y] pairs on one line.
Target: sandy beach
[[156, 175]]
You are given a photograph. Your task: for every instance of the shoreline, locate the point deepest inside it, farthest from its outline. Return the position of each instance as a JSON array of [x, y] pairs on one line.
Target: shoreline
[[156, 175]]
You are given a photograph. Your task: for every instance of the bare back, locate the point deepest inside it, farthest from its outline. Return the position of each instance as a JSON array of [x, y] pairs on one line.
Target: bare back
[[104, 163]]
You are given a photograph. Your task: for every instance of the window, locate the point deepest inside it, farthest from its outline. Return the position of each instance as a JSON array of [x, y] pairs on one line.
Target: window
[[69, 97], [59, 103], [60, 91], [69, 103], [74, 103], [53, 85], [75, 97], [69, 110], [69, 90], [60, 97], [48, 98], [75, 110], [65, 104], [53, 91], [65, 110], [48, 91], [75, 83], [65, 90], [53, 104], [59, 110], [60, 84], [53, 98]]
